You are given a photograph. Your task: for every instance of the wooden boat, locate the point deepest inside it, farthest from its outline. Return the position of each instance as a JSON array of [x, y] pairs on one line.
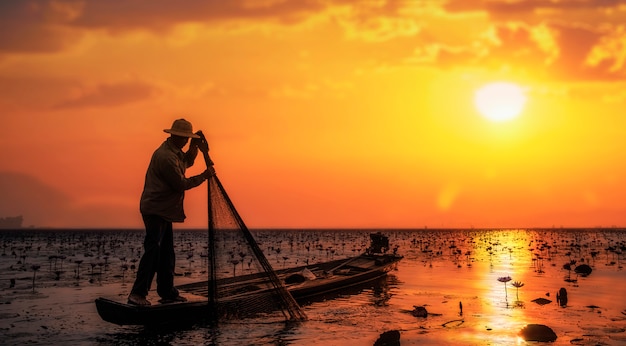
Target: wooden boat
[[303, 283], [265, 291]]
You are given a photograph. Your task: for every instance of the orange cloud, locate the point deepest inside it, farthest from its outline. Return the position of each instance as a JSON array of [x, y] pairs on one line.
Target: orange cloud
[[109, 95]]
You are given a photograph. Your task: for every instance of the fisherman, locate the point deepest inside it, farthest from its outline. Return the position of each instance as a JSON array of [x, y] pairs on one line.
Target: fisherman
[[162, 204]]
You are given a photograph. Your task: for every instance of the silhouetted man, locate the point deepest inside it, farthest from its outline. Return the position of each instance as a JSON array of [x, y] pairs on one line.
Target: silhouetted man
[[161, 205]]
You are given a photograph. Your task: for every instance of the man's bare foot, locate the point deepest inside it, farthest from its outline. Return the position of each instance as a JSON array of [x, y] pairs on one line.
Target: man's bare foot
[[136, 299]]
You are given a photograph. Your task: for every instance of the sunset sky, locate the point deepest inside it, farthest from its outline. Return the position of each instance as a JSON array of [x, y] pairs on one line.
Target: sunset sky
[[319, 113]]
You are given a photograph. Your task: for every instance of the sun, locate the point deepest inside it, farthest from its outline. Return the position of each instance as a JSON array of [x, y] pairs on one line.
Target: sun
[[500, 101]]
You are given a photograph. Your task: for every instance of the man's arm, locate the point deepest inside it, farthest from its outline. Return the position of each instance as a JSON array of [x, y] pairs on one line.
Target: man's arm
[[174, 176]]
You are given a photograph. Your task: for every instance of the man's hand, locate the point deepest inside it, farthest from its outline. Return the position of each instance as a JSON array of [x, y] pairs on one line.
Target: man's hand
[[195, 141], [203, 146], [201, 142], [209, 172]]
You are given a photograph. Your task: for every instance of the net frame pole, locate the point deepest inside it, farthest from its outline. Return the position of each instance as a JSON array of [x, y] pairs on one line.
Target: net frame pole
[[212, 280], [212, 270]]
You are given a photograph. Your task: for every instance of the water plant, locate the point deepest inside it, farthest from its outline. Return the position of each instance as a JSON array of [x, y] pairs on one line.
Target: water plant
[[124, 268], [517, 285], [78, 262], [35, 268], [504, 279], [234, 263]]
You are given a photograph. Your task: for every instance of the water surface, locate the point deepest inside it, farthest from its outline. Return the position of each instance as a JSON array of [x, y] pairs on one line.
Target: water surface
[[442, 270]]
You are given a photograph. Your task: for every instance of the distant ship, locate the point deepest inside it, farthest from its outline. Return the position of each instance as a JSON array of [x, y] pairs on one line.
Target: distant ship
[[11, 222]]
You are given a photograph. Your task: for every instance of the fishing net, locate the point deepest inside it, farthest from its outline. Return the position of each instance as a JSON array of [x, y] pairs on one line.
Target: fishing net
[[241, 282]]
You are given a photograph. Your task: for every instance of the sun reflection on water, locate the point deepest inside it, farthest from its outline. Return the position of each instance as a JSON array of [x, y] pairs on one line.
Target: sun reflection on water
[[464, 268], [509, 262]]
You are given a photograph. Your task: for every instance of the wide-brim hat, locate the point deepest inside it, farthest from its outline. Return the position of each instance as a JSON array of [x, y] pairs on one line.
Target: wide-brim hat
[[183, 128]]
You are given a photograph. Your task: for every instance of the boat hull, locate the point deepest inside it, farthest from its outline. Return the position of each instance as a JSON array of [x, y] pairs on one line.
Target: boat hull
[[172, 313], [335, 276]]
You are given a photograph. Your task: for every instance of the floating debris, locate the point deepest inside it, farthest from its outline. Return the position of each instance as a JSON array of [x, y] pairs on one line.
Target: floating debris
[[541, 301], [453, 323]]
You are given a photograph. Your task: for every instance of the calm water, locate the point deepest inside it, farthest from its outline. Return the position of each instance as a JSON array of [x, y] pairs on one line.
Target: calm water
[[442, 270]]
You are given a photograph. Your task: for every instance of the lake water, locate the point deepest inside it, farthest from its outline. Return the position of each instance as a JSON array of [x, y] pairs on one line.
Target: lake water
[[442, 270]]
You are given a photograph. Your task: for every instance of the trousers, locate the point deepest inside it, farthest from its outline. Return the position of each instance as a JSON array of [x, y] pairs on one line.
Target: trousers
[[158, 258]]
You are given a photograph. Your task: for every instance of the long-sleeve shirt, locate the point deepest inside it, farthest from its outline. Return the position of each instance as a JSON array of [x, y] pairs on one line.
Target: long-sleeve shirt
[[165, 184]]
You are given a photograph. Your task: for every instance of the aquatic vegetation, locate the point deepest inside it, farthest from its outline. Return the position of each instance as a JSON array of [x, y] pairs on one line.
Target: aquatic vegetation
[[78, 263], [568, 267], [234, 262], [35, 268], [504, 279], [517, 285], [124, 268]]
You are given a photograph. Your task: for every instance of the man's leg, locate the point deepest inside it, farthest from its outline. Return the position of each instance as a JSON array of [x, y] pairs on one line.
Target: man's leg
[[166, 268], [165, 265], [156, 228]]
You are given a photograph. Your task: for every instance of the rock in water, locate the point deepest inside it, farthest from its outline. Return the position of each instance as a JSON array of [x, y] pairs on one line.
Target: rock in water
[[419, 311], [538, 332], [583, 270], [389, 338]]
